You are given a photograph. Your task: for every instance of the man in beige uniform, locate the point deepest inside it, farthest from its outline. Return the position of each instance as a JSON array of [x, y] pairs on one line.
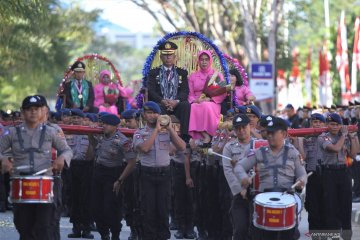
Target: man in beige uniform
[[31, 143], [278, 166]]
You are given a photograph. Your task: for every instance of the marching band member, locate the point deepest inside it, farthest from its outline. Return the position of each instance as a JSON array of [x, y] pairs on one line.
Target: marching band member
[[336, 145], [278, 166], [153, 146], [31, 143], [238, 150], [111, 150]]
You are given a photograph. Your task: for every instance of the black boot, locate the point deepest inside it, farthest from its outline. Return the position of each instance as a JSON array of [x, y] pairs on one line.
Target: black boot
[[87, 234], [76, 231], [190, 233]]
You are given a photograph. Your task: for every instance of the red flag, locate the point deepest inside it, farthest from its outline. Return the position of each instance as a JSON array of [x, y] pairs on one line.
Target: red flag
[[308, 78], [355, 66], [342, 61], [295, 86]]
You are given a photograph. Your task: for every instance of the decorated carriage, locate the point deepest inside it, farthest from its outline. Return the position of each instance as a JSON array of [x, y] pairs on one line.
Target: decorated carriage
[[113, 93]]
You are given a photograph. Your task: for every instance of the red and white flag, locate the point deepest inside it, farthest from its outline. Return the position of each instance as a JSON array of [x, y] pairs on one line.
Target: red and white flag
[[295, 86], [325, 91], [342, 61], [307, 82], [355, 66]]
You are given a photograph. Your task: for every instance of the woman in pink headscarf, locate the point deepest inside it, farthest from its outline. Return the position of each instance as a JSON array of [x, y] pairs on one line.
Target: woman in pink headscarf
[[205, 108], [106, 94]]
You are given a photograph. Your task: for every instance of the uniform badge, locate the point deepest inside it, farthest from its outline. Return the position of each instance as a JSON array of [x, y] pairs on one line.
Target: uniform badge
[[270, 124], [167, 46], [269, 118], [33, 100], [238, 119], [248, 110], [80, 96], [61, 134]]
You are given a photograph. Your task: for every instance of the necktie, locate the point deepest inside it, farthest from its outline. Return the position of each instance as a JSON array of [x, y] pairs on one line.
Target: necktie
[[167, 74]]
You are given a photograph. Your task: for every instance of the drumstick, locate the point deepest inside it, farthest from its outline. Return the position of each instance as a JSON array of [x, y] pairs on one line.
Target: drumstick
[[295, 184], [252, 175], [22, 167], [211, 152], [42, 171]]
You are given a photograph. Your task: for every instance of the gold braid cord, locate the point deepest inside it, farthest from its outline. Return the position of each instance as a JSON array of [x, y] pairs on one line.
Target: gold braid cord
[[187, 52]]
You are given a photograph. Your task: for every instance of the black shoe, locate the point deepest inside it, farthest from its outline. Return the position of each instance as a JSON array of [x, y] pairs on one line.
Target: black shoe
[[179, 234], [356, 200], [2, 207], [9, 206], [202, 236], [87, 235], [105, 237], [190, 234], [74, 234], [93, 228], [172, 226]]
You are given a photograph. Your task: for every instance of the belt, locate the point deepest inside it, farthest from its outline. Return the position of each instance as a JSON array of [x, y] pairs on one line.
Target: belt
[[155, 169], [176, 164], [334, 167]]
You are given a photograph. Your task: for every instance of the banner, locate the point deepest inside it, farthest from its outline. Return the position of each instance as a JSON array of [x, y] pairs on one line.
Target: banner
[[355, 66]]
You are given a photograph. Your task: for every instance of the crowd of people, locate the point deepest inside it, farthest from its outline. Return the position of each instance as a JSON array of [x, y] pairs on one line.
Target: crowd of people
[[201, 178]]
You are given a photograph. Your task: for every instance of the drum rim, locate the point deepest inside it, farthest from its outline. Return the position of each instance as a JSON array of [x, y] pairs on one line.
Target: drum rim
[[32, 177], [273, 228], [32, 201]]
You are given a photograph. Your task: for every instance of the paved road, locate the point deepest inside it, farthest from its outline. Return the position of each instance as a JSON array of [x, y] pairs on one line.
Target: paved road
[[8, 232]]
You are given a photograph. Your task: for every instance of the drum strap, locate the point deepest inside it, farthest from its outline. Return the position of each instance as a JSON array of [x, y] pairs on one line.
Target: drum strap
[[276, 167], [31, 151]]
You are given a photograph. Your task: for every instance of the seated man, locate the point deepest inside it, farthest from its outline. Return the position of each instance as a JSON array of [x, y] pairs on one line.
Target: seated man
[[168, 86], [79, 92]]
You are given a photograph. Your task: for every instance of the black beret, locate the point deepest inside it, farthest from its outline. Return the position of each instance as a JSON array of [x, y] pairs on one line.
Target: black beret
[[277, 124], [240, 120], [30, 101]]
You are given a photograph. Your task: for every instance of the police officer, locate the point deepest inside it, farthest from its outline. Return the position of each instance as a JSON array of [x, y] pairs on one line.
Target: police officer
[[254, 114], [309, 149], [238, 150], [224, 193], [80, 172], [278, 166], [131, 184], [153, 146], [335, 145], [183, 198], [195, 179], [31, 144], [109, 175]]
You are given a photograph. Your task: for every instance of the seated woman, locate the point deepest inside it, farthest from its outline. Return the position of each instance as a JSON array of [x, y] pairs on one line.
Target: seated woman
[[205, 96], [243, 95], [106, 94]]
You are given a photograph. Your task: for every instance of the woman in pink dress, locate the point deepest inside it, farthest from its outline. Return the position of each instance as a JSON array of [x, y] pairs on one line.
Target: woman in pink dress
[[205, 110], [106, 94], [243, 95]]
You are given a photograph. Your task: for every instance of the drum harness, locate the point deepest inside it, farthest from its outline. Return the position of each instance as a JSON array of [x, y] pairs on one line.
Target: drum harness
[[31, 150], [276, 167]]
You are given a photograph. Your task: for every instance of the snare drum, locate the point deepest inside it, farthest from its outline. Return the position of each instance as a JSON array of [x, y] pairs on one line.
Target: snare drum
[[31, 189], [274, 211]]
